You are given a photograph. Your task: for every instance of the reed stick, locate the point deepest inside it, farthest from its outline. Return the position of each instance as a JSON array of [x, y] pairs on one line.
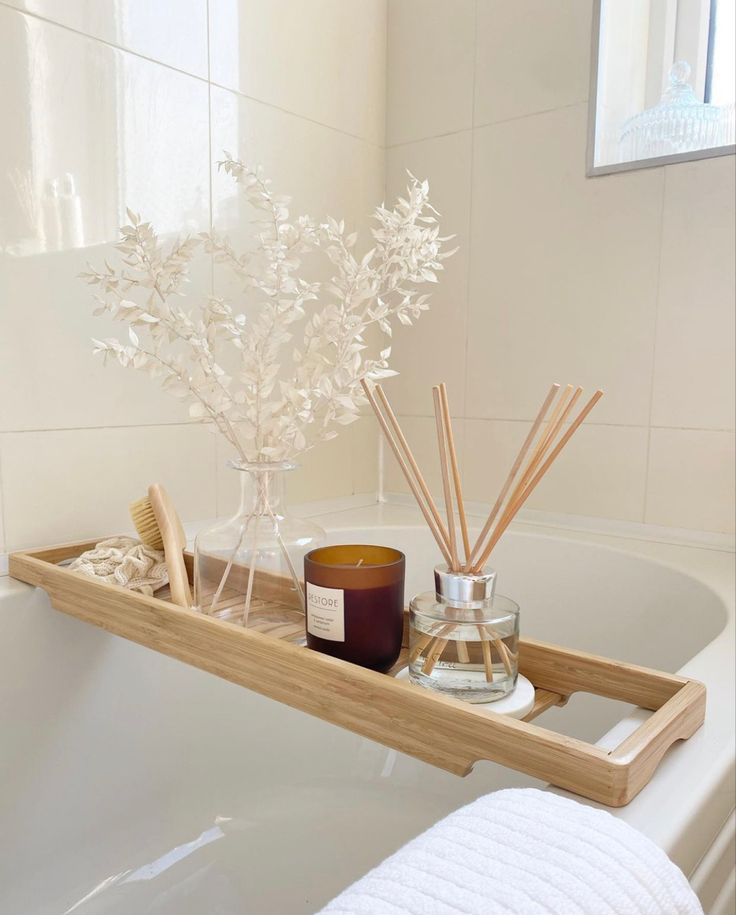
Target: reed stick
[[512, 473], [462, 649], [546, 441], [444, 464], [547, 448], [407, 461], [485, 647], [422, 642], [516, 505], [416, 491], [550, 434], [412, 461], [433, 655], [419, 645], [445, 403], [565, 403], [502, 650]]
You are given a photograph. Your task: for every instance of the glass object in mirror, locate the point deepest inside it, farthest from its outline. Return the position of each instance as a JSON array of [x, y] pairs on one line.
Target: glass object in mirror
[[663, 82]]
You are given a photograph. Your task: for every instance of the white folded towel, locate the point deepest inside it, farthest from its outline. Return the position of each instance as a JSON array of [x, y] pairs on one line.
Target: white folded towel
[[523, 852]]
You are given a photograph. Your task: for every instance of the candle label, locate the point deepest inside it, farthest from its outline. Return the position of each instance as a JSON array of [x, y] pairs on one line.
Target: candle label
[[326, 612]]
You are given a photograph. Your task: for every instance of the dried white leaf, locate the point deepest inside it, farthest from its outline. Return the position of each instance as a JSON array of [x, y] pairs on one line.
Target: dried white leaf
[[234, 369]]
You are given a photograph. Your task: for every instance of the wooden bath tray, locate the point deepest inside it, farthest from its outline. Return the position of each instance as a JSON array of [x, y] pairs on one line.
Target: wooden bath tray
[[442, 731]]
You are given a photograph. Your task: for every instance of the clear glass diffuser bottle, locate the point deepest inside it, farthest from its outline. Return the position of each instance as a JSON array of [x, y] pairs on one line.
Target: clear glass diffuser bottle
[[463, 639], [248, 569]]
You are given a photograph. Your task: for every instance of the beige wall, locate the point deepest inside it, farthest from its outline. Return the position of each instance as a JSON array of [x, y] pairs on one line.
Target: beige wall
[[624, 282], [128, 97]]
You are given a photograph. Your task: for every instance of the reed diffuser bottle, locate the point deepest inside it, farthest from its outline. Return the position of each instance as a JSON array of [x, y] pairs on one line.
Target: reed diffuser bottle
[[463, 639]]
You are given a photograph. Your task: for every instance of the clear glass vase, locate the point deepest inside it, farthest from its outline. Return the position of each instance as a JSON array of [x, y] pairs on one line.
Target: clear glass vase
[[463, 638], [249, 569]]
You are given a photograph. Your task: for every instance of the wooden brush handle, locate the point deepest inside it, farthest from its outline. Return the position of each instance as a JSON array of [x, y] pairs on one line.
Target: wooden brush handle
[[172, 534]]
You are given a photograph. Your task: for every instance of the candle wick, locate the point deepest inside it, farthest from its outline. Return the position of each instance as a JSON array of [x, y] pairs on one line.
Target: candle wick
[[358, 563]]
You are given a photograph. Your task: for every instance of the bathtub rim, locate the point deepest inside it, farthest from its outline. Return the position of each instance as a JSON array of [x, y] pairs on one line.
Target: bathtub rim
[[685, 829]]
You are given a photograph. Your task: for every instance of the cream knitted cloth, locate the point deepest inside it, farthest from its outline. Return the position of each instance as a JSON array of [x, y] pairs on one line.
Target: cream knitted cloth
[[126, 562]]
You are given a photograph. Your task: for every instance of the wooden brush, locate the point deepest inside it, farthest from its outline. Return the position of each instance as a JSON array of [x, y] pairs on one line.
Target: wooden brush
[[160, 528]]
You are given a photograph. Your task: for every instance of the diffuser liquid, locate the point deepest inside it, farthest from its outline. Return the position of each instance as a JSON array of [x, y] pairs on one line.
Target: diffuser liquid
[[474, 659]]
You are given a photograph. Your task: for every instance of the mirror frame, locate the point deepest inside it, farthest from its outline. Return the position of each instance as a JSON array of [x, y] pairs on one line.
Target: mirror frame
[[591, 169]]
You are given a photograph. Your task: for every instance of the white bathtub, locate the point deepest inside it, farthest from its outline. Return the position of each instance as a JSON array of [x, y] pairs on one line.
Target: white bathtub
[[132, 783]]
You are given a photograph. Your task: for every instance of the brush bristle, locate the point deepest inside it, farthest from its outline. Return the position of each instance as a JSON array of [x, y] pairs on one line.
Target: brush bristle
[[146, 524]]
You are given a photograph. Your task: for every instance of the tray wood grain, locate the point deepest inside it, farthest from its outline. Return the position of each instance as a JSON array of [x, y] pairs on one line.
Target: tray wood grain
[[444, 732]]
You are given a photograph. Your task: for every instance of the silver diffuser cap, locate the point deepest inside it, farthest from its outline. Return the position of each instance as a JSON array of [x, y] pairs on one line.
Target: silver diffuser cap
[[462, 587]]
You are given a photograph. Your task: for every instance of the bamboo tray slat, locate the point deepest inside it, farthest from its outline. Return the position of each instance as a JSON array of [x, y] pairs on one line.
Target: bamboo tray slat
[[444, 732]]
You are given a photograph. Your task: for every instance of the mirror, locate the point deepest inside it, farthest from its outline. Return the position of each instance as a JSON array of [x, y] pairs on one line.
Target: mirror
[[663, 82]]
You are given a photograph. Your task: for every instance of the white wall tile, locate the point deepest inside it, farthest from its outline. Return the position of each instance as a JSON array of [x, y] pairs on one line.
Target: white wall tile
[[323, 172], [173, 32], [364, 454], [78, 483], [694, 377], [324, 472], [115, 122], [531, 57], [340, 467], [421, 433], [570, 278], [490, 449], [691, 480], [122, 142], [563, 272], [133, 132], [601, 472], [433, 350], [431, 47], [324, 60]]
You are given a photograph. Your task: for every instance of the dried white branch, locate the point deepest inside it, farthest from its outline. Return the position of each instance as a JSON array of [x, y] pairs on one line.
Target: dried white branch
[[276, 399]]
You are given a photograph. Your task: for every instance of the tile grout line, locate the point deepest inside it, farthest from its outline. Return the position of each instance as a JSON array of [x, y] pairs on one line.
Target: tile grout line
[[164, 425], [654, 346], [426, 139], [201, 79], [477, 419], [531, 114], [485, 124], [303, 117], [609, 425]]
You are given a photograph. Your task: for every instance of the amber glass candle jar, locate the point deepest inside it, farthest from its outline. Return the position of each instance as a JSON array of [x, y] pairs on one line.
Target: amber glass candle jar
[[355, 603]]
